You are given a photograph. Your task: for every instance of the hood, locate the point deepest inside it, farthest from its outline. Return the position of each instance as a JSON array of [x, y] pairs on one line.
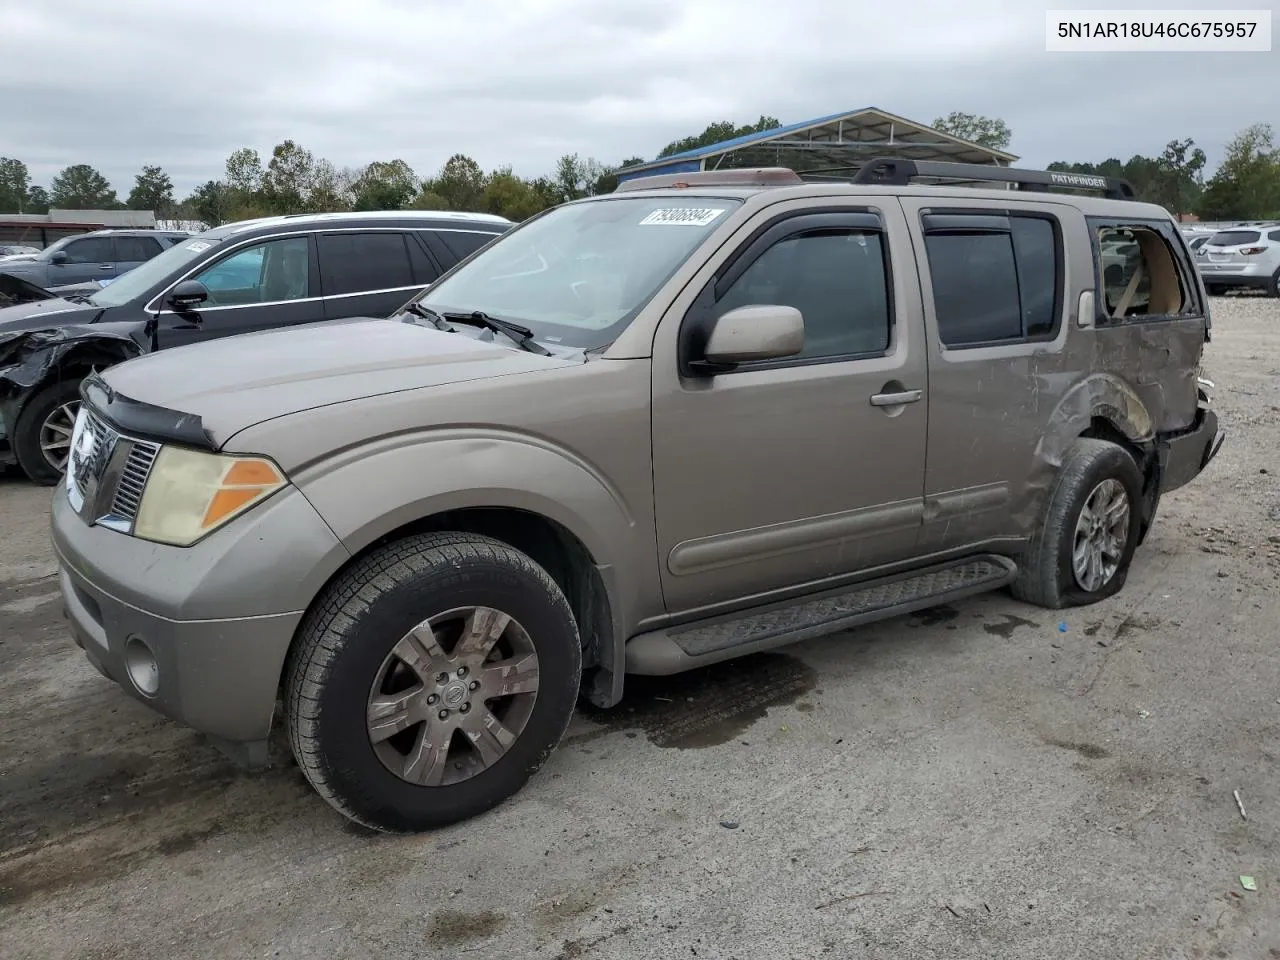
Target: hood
[[38, 314], [233, 383]]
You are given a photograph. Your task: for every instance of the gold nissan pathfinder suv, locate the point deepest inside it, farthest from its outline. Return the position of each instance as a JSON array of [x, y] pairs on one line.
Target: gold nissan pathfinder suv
[[699, 417]]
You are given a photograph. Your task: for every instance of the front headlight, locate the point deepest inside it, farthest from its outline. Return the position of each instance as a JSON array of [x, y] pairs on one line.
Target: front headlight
[[191, 493]]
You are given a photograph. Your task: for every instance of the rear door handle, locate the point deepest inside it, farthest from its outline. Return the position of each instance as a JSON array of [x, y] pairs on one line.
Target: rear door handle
[[894, 399]]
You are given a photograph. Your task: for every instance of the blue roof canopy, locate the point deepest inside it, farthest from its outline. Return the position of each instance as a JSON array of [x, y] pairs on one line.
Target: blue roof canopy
[[838, 142]]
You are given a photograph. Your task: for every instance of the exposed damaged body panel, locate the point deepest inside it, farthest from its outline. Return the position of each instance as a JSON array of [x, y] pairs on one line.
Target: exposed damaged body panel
[[31, 359]]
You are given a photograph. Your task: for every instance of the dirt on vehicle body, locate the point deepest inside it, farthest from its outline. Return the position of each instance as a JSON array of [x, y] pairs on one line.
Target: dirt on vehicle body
[[637, 434]]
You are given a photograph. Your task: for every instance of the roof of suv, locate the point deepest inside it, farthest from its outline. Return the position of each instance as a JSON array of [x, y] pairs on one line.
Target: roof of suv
[[893, 176], [132, 232]]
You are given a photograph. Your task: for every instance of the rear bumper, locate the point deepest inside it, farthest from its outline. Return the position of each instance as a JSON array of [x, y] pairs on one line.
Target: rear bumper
[[1235, 275], [1183, 455]]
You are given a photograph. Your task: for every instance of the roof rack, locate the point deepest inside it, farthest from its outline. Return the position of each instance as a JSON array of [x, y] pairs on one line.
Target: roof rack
[[753, 177], [895, 172]]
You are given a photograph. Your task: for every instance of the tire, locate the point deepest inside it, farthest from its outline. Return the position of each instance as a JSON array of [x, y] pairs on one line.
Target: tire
[[54, 402], [1047, 576], [1214, 289], [1273, 285], [340, 662]]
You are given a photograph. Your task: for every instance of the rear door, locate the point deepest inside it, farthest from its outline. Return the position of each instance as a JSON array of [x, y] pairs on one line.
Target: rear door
[[258, 286], [370, 273], [134, 251], [993, 276]]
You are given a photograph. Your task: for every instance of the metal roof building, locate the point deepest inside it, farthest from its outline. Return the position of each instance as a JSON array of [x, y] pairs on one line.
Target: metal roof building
[[836, 144], [42, 229]]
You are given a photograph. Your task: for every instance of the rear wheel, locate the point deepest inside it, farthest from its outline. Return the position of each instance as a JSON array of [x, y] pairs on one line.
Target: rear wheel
[[42, 432], [1273, 285], [1214, 289], [431, 681], [1091, 528]]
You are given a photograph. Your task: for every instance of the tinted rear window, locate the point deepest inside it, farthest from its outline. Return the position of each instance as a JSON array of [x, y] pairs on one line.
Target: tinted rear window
[[1233, 238], [463, 243], [357, 262]]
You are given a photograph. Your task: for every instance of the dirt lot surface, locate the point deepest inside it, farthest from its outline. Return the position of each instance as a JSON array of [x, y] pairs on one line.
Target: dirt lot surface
[[970, 782]]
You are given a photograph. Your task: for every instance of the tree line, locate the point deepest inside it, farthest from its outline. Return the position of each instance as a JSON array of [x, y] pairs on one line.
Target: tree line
[[294, 180]]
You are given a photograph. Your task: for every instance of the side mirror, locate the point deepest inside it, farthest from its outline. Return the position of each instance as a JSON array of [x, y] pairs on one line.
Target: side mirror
[[187, 295], [757, 332], [58, 256]]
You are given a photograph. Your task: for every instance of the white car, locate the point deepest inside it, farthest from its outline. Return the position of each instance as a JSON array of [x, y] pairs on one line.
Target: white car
[[1247, 257]]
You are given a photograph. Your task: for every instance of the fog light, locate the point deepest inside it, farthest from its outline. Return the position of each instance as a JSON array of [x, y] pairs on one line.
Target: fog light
[[141, 664]]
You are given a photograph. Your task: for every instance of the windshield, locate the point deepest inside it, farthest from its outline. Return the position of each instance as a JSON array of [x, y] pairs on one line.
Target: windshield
[[1233, 238], [579, 274], [142, 278]]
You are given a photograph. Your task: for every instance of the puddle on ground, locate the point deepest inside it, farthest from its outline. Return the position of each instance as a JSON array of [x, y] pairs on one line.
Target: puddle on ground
[[1008, 626], [706, 707]]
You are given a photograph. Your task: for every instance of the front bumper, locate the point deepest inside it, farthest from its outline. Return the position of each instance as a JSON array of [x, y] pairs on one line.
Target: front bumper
[[199, 634], [1183, 455]]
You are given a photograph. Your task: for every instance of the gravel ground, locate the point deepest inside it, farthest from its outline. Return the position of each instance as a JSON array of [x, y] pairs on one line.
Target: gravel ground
[[967, 782]]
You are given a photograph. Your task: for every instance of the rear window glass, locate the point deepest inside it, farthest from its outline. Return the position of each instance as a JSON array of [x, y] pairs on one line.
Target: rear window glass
[[463, 243], [1233, 238]]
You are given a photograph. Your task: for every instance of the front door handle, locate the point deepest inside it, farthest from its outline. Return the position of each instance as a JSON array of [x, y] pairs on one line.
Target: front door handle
[[894, 399]]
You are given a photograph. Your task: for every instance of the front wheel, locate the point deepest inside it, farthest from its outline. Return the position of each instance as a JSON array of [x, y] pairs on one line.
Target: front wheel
[[1091, 528], [431, 681], [42, 432]]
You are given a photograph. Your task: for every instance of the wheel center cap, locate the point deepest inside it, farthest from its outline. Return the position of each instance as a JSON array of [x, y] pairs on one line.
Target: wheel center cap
[[455, 694]]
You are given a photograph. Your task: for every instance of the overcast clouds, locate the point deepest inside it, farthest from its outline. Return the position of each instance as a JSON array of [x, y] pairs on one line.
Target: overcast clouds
[[183, 84]]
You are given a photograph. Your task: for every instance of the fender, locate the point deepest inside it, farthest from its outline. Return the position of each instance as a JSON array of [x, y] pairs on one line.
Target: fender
[[368, 492], [1098, 395]]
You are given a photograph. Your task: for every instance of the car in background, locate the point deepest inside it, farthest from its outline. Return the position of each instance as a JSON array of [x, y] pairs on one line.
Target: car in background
[[17, 250], [1242, 257], [1194, 243], [100, 255], [243, 277]]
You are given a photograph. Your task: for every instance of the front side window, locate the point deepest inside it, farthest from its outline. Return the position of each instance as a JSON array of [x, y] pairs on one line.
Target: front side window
[[271, 272], [91, 250], [836, 278], [159, 269], [995, 278], [580, 273]]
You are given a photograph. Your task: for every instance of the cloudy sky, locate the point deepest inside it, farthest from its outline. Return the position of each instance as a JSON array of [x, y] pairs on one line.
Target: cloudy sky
[[182, 84]]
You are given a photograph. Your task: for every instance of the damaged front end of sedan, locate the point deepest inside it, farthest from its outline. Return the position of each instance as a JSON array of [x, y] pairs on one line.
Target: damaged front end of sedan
[[43, 367]]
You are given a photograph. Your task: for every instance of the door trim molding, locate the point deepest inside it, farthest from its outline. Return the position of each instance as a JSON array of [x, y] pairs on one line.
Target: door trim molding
[[759, 543]]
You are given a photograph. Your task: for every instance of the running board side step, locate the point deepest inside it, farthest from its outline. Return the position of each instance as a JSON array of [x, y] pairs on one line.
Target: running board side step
[[676, 649]]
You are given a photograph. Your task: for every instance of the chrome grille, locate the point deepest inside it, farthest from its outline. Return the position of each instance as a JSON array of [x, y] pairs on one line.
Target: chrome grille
[[133, 479], [101, 440]]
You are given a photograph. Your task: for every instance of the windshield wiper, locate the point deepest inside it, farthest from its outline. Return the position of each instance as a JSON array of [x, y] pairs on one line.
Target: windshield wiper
[[522, 336], [429, 315]]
